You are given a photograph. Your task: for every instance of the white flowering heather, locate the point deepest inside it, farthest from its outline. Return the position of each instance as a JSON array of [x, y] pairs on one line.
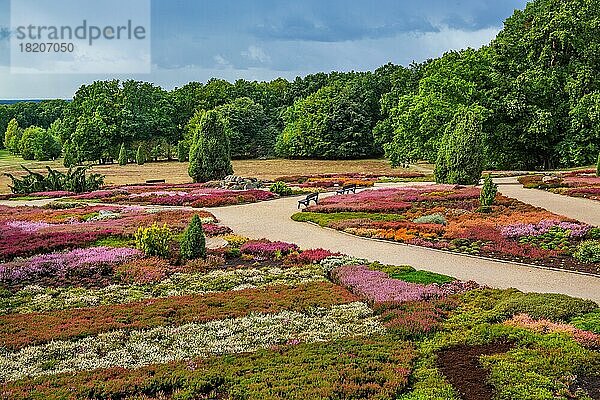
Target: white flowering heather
[[164, 344], [41, 299], [331, 263]]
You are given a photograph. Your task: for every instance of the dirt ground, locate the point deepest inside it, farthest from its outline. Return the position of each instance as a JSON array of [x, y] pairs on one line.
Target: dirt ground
[[176, 172], [461, 367]]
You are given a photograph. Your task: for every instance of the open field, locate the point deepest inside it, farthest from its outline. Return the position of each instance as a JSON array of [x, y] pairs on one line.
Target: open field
[[176, 172]]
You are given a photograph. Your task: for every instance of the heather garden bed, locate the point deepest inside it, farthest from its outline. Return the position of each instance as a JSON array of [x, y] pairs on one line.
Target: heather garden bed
[[450, 218], [197, 195], [326, 182], [253, 319], [581, 183]]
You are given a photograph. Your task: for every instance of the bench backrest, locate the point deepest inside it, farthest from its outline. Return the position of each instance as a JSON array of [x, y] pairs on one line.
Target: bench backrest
[[349, 187], [312, 196]]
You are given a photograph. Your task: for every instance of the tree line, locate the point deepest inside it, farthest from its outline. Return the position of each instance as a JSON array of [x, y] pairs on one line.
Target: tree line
[[528, 100]]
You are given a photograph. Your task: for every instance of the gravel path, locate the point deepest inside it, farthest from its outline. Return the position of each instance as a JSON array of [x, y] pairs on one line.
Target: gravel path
[[584, 210], [271, 220]]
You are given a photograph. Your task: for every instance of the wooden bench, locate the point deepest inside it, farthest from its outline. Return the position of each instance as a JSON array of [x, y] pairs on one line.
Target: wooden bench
[[311, 197], [347, 189], [155, 181]]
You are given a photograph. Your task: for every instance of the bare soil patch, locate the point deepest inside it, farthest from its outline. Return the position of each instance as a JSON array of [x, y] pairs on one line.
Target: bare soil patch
[[460, 365]]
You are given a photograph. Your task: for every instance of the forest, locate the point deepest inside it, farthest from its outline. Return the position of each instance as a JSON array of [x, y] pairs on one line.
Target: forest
[[530, 99]]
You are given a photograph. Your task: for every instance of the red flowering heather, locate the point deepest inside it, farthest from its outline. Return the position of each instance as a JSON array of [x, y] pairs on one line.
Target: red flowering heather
[[266, 248], [313, 256]]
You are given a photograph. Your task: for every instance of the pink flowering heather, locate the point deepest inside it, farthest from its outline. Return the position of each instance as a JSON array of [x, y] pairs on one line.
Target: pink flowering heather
[[66, 264], [586, 338], [519, 230], [393, 200], [53, 194], [378, 287], [216, 230], [27, 226], [100, 194], [266, 248]]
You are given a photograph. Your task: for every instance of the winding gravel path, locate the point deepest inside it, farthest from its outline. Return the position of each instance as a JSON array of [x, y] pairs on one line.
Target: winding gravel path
[[271, 220], [584, 210]]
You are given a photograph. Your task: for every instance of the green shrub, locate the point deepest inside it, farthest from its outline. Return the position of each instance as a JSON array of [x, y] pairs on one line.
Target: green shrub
[[74, 180], [183, 151], [588, 322], [210, 157], [488, 193], [140, 156], [123, 155], [588, 251], [431, 219], [154, 241], [193, 244], [281, 188], [554, 307], [594, 233]]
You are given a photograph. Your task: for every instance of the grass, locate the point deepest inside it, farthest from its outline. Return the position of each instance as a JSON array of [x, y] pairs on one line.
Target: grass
[[325, 219], [176, 172], [409, 274]]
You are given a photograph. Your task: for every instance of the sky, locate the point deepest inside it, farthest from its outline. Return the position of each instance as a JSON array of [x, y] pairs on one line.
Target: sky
[[195, 40]]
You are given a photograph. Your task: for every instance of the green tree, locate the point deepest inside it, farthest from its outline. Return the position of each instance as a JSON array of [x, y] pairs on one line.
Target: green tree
[[460, 156], [90, 142], [140, 156], [336, 122], [209, 153], [12, 137], [193, 244], [123, 155], [47, 146], [250, 134], [423, 111], [29, 142]]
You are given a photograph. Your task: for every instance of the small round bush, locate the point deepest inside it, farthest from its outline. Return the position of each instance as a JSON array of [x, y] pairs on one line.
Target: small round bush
[[431, 219], [588, 251], [281, 188], [154, 241]]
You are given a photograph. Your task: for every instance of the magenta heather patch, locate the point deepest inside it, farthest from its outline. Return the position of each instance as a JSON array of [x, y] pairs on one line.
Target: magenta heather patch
[[266, 248]]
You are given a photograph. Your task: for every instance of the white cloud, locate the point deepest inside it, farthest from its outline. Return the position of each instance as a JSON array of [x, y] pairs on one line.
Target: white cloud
[[255, 53], [222, 62]]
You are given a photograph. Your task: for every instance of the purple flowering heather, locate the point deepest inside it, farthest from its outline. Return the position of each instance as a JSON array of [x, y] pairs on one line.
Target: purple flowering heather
[[378, 287], [520, 230], [67, 263]]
